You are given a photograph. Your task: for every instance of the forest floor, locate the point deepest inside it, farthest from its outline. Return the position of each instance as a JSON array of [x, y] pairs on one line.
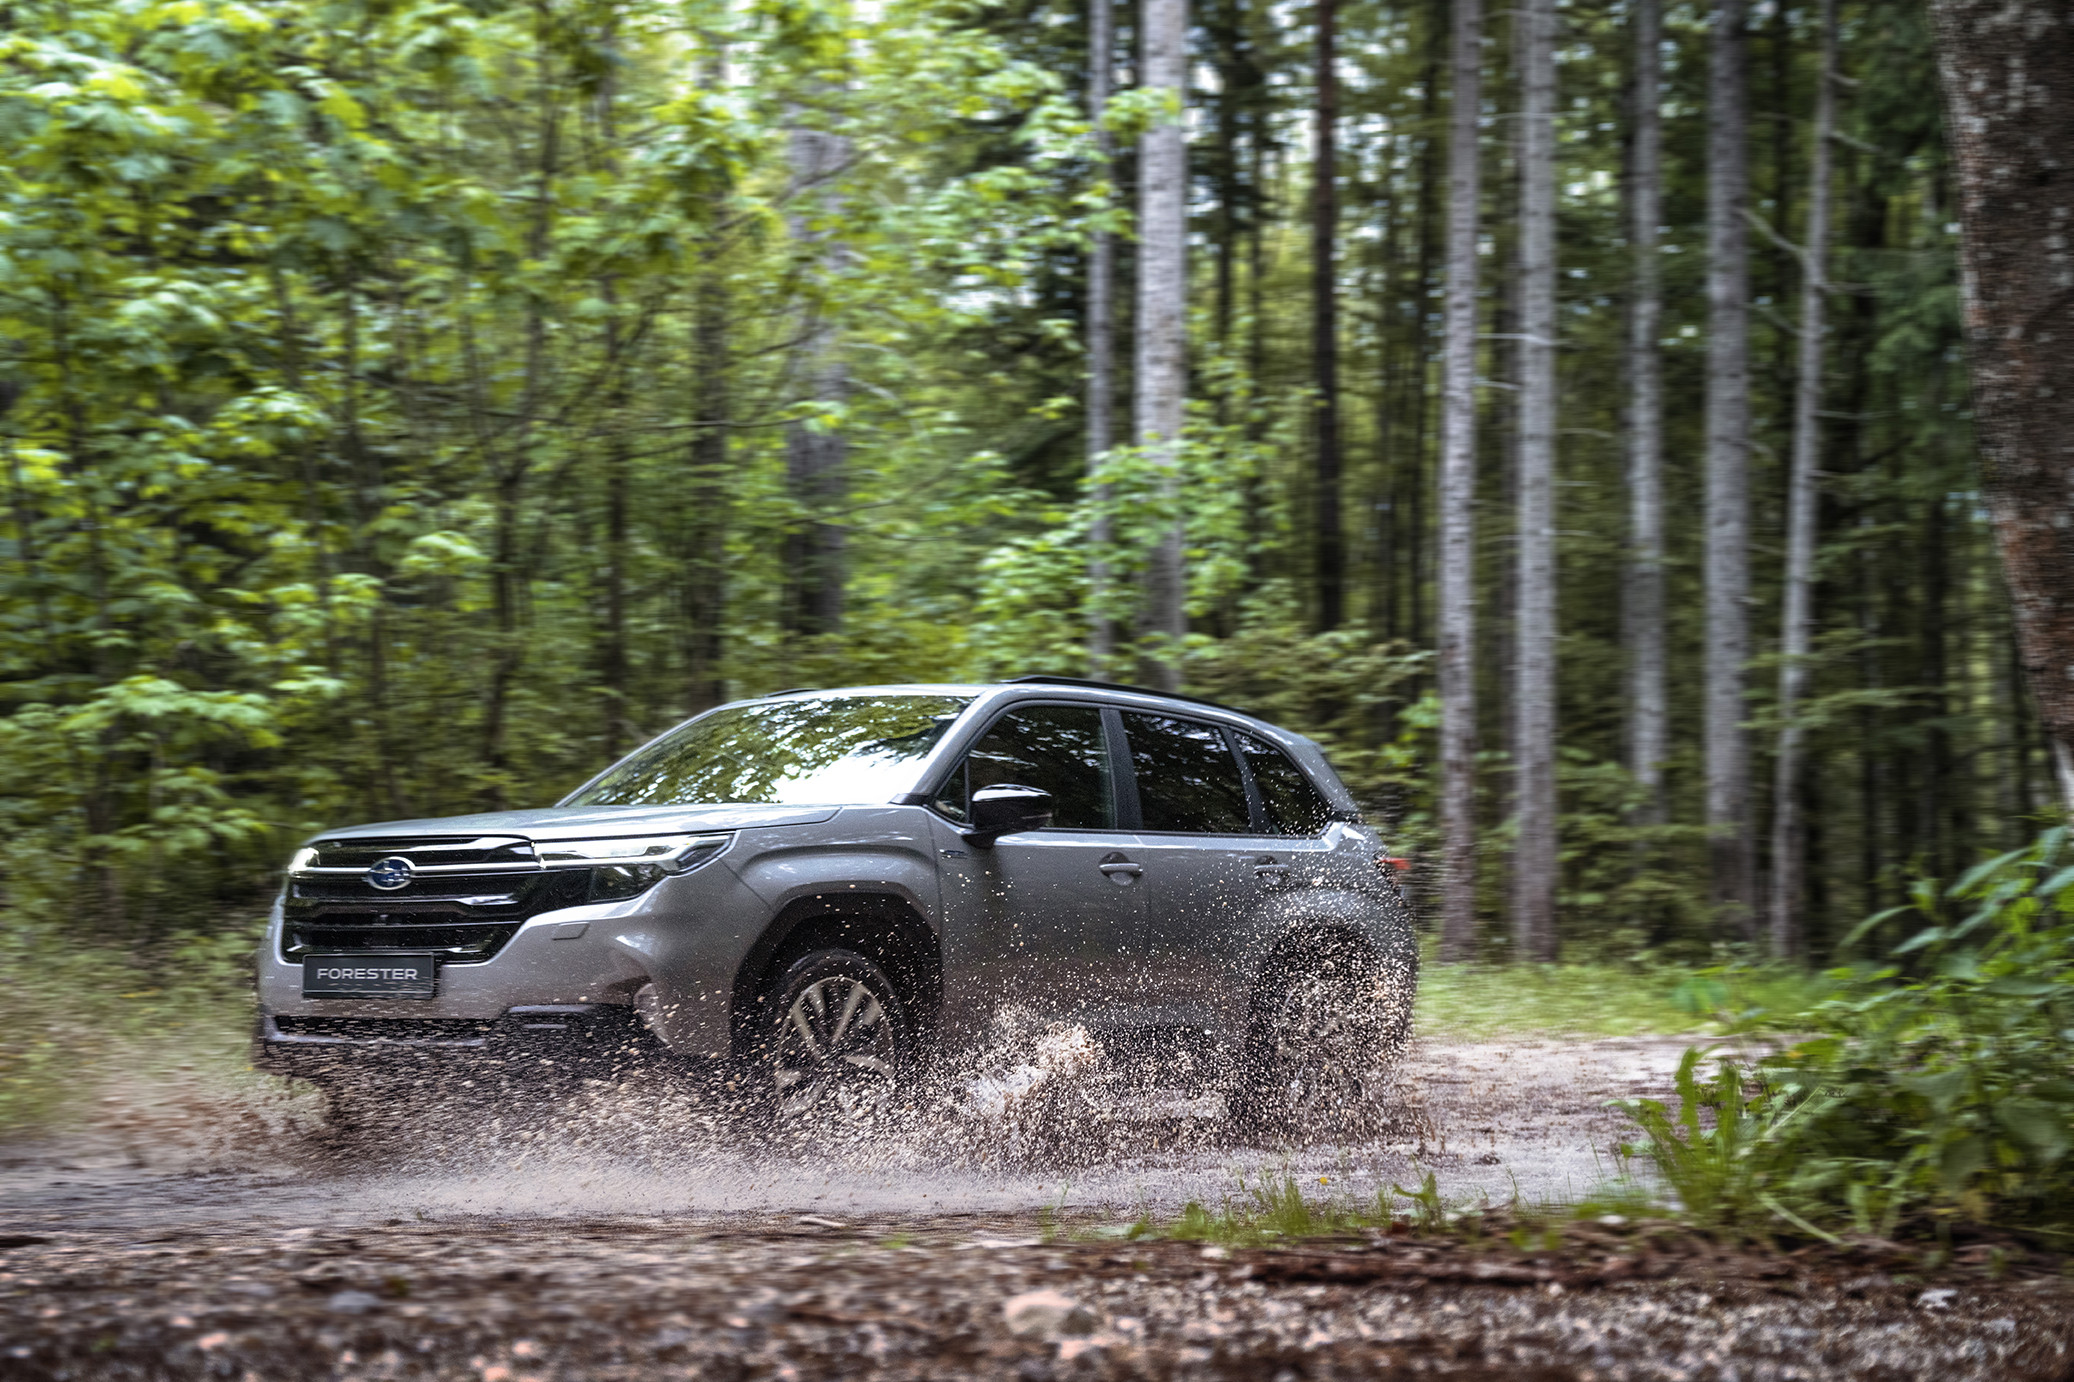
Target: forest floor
[[199, 1229]]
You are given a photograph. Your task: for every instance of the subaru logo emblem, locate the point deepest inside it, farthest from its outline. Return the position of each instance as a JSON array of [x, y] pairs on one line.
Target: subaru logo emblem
[[391, 873]]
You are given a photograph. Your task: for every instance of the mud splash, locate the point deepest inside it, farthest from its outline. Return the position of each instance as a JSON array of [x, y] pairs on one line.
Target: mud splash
[[1037, 1118]]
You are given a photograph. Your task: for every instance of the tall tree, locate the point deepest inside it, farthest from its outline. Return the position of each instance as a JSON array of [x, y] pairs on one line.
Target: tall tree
[[1101, 340], [704, 587], [1330, 537], [1457, 575], [1534, 665], [1796, 620], [1732, 860], [1642, 608], [2008, 75], [1161, 358], [816, 454]]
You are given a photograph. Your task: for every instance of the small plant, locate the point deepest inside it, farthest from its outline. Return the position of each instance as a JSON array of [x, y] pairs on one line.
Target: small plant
[[1429, 1215], [1721, 1151]]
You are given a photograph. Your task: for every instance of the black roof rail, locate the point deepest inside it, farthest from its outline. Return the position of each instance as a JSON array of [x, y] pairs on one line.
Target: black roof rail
[[1091, 684]]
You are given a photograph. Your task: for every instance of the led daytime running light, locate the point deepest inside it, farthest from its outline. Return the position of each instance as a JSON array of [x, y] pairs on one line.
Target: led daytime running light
[[670, 853]]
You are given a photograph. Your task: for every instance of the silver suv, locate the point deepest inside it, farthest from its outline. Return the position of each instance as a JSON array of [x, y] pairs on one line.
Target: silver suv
[[821, 888]]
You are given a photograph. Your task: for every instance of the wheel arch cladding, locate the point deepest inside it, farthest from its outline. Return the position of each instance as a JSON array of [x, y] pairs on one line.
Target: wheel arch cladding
[[885, 929]]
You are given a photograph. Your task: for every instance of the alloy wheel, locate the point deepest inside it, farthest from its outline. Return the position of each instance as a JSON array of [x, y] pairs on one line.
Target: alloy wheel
[[837, 1052]]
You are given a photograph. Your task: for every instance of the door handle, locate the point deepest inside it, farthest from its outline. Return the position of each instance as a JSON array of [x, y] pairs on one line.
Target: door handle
[[1126, 870], [1269, 869]]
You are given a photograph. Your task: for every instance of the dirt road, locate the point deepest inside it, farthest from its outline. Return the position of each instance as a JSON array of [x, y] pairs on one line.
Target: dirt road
[[221, 1233]]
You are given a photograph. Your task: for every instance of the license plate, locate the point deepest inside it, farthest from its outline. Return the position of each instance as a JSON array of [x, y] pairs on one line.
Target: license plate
[[368, 976]]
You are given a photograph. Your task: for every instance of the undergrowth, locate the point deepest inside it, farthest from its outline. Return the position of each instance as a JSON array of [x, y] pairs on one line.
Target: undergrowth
[[1931, 1089]]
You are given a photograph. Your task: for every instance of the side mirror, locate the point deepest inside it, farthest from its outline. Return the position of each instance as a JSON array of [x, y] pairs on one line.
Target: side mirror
[[1005, 808]]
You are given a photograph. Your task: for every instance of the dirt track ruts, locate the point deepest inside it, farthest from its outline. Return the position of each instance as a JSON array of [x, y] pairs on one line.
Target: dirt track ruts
[[622, 1298]]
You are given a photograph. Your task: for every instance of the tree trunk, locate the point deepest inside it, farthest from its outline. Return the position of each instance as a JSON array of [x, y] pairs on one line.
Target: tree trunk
[[2008, 69], [1331, 549], [1648, 716], [705, 584], [1534, 665], [613, 665], [1162, 324], [1225, 30], [705, 574], [1730, 850], [1101, 346], [815, 455], [1457, 576], [1422, 337], [1796, 620]]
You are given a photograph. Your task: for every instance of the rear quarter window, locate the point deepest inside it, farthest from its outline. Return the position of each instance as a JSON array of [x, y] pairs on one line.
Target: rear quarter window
[[1294, 806]]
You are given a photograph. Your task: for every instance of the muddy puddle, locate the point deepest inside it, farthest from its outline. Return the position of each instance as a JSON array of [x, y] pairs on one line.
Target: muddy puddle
[[1049, 1126]]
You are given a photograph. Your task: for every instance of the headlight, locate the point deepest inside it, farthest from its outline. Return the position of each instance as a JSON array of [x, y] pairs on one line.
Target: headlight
[[306, 857], [664, 853]]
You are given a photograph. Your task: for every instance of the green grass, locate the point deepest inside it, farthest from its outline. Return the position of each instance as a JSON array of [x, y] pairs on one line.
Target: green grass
[[84, 1016], [1280, 1207], [1478, 1002]]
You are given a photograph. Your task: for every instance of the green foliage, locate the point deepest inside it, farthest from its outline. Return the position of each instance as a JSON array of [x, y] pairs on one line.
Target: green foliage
[[1937, 1085], [359, 361], [1720, 1167]]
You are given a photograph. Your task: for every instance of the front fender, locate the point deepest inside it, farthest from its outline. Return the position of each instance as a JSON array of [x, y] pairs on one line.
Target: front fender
[[883, 850]]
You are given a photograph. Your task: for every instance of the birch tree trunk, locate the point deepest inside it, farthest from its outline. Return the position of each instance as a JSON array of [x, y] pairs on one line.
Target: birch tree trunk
[[1331, 551], [1162, 325], [1534, 663], [1457, 575], [1101, 345], [815, 457], [1732, 865], [1643, 614], [2008, 71], [1796, 623]]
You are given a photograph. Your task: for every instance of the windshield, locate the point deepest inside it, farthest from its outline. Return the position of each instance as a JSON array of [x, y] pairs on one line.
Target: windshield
[[809, 751]]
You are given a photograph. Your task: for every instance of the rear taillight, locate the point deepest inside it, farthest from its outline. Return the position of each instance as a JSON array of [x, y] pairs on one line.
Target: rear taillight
[[1396, 865]]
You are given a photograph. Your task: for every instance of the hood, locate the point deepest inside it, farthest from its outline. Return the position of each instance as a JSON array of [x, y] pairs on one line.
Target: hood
[[582, 822]]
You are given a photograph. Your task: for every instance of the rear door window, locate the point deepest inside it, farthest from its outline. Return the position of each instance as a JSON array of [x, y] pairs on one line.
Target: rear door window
[[1293, 805], [1188, 778], [1060, 749]]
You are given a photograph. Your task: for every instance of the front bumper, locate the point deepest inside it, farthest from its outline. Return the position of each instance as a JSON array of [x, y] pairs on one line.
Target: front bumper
[[595, 955], [570, 1036]]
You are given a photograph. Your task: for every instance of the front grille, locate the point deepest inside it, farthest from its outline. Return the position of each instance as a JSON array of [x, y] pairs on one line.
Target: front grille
[[433, 851], [463, 917]]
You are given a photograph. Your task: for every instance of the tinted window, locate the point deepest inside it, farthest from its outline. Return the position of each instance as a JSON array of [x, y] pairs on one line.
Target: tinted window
[[1056, 748], [1293, 804], [809, 750], [1187, 777]]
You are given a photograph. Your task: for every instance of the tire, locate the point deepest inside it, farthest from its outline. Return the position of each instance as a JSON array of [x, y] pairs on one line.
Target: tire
[[1327, 1026], [839, 1047]]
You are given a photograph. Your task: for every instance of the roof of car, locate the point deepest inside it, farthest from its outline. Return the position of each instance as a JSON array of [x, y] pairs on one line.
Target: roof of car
[[1038, 680]]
